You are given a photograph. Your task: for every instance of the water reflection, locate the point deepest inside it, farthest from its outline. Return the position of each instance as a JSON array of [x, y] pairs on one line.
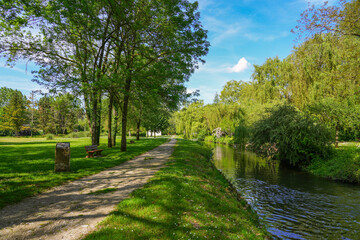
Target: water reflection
[[293, 204]]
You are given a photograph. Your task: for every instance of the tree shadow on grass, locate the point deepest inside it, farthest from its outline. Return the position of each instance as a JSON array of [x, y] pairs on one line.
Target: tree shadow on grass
[[177, 195]]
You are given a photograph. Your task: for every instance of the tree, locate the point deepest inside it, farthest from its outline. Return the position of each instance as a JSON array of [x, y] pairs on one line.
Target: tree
[[14, 115], [71, 46], [337, 114], [46, 114], [95, 46], [286, 134], [231, 92], [342, 19], [66, 109], [5, 96], [33, 116]]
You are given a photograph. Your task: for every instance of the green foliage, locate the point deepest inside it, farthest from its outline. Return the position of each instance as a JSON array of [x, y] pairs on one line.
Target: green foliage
[[120, 48], [340, 18], [337, 114], [49, 136], [5, 96], [188, 199], [58, 114], [290, 136], [241, 135], [14, 113], [225, 140], [73, 135], [198, 118], [344, 165], [222, 140], [202, 134], [210, 138]]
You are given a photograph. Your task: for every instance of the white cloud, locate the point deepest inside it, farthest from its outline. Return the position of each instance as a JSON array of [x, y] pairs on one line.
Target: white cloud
[[190, 90], [241, 66]]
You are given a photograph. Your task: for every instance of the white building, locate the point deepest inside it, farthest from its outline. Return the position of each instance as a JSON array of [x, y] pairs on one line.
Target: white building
[[149, 133]]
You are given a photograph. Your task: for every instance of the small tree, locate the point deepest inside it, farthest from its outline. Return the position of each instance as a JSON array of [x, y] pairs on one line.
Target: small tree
[[14, 115], [290, 136], [337, 114]]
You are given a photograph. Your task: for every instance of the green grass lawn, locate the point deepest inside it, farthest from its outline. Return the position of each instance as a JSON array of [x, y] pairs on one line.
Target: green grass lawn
[[27, 164], [189, 199], [344, 165]]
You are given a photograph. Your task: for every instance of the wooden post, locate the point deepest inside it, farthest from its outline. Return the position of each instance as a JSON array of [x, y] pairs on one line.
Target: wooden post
[[62, 157]]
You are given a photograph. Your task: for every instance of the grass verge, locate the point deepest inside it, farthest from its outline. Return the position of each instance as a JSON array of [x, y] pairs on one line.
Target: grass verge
[[27, 165], [188, 199], [344, 165]]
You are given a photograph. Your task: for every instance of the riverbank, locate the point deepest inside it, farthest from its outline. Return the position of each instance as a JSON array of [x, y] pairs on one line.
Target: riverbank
[[344, 165], [223, 140], [187, 199]]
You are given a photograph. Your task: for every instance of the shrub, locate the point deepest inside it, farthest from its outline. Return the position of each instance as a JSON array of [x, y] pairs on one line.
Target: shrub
[[202, 134], [241, 135], [210, 138], [288, 135], [50, 136], [228, 140], [73, 135]]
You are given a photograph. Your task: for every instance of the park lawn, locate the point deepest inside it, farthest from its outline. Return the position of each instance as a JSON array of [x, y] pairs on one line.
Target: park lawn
[[344, 165], [27, 164], [188, 199]]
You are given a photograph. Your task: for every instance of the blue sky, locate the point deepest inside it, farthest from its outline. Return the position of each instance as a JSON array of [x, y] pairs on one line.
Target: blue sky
[[241, 33]]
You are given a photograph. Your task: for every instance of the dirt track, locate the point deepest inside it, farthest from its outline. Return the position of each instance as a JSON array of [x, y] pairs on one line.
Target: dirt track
[[69, 211]]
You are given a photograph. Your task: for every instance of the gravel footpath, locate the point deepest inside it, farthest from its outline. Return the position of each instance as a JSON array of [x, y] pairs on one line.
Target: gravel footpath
[[69, 211]]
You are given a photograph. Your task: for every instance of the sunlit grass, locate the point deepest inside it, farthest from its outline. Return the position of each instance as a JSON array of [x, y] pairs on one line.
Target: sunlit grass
[[188, 199], [343, 165], [27, 164]]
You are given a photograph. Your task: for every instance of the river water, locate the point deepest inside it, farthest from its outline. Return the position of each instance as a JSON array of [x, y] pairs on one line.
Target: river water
[[290, 203]]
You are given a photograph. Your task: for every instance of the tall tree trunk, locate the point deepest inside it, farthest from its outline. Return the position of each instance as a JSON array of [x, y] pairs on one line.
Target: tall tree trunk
[[95, 119], [116, 120], [98, 119], [138, 130], [124, 114], [93, 124], [337, 136], [88, 112], [110, 140]]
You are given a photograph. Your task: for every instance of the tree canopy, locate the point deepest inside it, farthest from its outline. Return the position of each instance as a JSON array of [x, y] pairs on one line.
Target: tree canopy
[[99, 47]]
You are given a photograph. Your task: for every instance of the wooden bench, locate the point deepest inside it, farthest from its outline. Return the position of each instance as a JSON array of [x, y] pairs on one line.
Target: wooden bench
[[93, 149]]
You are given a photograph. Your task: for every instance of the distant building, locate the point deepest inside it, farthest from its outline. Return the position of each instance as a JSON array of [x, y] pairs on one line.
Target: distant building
[[152, 134]]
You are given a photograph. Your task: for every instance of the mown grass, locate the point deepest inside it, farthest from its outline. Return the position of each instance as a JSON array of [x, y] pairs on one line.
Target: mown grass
[[344, 165], [188, 199], [27, 164]]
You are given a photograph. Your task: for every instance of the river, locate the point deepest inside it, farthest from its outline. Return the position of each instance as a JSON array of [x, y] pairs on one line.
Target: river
[[290, 203]]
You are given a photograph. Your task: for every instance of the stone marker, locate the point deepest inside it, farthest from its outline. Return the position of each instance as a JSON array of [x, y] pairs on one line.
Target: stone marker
[[62, 157]]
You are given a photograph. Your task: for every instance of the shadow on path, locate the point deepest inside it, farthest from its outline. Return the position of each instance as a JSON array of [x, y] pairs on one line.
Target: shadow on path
[[70, 211]]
